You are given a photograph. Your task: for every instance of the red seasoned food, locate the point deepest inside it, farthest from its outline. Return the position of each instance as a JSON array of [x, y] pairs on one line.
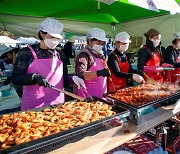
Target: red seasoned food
[[145, 93]]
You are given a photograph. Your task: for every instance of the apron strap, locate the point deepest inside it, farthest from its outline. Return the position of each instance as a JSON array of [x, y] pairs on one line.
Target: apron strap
[[152, 52], [118, 57], [55, 53], [32, 51]]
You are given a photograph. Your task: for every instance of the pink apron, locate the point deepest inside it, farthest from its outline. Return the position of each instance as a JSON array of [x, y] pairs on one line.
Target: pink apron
[[35, 96], [97, 86]]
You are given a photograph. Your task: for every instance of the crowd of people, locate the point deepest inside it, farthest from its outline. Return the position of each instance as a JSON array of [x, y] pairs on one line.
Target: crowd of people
[[40, 66]]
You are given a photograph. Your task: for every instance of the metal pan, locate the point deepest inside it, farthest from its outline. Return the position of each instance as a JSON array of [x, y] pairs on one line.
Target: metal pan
[[48, 143], [137, 113], [112, 99]]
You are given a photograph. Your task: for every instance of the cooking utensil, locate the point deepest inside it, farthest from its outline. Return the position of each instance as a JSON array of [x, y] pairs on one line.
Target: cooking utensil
[[83, 94], [87, 93], [68, 93], [148, 79], [165, 68], [138, 112], [62, 138]]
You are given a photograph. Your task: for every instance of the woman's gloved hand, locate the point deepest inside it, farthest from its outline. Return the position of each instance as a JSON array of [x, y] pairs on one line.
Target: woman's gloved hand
[[138, 78], [40, 80], [79, 82], [104, 72]]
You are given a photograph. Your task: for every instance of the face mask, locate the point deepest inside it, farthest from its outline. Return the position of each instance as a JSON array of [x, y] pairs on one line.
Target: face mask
[[155, 42], [51, 43], [123, 48], [97, 49]]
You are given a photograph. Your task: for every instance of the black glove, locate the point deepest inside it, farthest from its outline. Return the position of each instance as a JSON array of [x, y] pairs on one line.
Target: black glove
[[104, 72], [40, 80]]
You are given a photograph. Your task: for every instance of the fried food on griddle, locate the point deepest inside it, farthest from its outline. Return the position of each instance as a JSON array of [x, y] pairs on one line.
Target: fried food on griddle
[[26, 126], [145, 93]]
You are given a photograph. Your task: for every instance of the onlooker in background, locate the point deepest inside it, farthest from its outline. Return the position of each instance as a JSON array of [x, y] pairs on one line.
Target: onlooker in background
[[109, 47], [90, 64], [172, 57], [105, 50], [68, 50], [150, 57], [119, 64], [10, 56], [8, 59]]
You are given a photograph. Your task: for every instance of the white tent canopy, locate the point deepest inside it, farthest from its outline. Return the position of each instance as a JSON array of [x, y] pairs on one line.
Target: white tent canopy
[[23, 25], [166, 24], [7, 40], [29, 41]]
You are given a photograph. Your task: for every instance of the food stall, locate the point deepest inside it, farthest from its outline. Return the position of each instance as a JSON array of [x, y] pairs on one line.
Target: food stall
[[84, 127], [109, 139]]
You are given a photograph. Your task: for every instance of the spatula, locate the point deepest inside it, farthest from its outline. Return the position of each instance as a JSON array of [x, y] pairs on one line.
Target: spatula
[[67, 93]]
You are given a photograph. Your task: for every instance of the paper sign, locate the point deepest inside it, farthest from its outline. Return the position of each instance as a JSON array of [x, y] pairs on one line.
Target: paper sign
[[147, 4], [169, 5]]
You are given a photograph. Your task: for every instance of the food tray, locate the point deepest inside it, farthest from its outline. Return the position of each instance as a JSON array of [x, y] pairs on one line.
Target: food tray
[[137, 112], [52, 142]]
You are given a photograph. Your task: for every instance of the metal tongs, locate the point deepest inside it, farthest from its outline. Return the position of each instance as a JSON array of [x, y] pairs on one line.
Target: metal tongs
[[165, 68], [67, 93], [85, 90]]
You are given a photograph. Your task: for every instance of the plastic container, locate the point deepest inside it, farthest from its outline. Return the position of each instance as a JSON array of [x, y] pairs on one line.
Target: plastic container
[[122, 152]]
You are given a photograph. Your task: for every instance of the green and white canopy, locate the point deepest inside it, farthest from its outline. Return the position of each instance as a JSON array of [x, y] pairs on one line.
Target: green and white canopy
[[22, 17]]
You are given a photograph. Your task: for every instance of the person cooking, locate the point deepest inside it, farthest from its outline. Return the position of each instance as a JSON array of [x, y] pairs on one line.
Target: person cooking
[[172, 57], [90, 64], [149, 57], [119, 65], [39, 66]]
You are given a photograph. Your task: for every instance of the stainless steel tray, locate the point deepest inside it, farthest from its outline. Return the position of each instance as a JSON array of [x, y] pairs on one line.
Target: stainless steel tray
[[137, 112], [49, 143]]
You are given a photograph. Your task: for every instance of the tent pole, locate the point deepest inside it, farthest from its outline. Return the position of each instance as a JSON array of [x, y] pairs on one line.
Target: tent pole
[[98, 7], [4, 27], [113, 29]]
